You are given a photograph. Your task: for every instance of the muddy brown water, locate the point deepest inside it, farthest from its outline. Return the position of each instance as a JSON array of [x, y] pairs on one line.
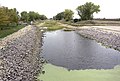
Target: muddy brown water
[[74, 52]]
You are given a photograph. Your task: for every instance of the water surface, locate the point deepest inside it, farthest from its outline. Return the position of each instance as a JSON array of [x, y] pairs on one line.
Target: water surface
[[72, 51]]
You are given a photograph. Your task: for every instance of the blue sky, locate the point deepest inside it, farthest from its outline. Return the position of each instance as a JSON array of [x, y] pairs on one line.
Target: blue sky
[[109, 8]]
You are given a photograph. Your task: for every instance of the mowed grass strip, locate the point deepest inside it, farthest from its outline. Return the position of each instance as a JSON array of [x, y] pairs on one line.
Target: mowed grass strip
[[54, 73]]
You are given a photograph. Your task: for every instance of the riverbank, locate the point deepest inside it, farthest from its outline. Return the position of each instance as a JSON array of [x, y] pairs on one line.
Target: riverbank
[[19, 55], [108, 36]]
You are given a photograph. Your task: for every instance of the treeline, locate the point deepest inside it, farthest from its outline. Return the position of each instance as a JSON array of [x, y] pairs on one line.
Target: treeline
[[31, 16], [65, 15], [85, 12], [11, 17]]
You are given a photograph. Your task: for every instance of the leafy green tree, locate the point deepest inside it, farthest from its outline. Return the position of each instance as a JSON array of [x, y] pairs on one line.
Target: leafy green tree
[[59, 16], [13, 15], [87, 10], [32, 16], [4, 17], [68, 14], [8, 17], [24, 16], [36, 16], [43, 17]]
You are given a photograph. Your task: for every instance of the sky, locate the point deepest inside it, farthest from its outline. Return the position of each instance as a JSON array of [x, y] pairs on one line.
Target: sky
[[109, 8]]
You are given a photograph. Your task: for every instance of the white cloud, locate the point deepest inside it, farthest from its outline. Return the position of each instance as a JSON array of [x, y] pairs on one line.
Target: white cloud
[[109, 8]]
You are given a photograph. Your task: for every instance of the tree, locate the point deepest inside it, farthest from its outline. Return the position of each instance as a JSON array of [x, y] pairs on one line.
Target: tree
[[68, 14], [43, 17], [33, 16], [59, 16], [4, 17], [36, 16], [13, 15], [8, 17], [24, 16], [87, 10]]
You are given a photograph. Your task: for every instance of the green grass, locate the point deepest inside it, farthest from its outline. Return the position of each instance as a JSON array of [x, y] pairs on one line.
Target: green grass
[[9, 30], [55, 28], [52, 25], [54, 73]]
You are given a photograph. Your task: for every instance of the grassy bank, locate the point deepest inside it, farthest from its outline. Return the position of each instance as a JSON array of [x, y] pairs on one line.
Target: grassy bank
[[52, 25], [54, 73], [9, 30]]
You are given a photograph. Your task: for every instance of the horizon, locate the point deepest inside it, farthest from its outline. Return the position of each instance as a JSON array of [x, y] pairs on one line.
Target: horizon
[[52, 7]]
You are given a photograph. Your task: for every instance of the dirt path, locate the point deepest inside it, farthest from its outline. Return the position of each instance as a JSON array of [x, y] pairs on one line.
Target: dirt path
[[115, 29], [110, 28]]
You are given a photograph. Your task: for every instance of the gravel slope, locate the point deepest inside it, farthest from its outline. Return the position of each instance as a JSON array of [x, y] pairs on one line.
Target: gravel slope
[[107, 36], [19, 55]]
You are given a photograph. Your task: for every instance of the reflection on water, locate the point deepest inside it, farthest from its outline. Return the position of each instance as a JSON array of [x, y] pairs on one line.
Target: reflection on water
[[70, 50]]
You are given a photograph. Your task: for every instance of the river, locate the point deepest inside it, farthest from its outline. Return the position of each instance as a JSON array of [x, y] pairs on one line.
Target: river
[[74, 52]]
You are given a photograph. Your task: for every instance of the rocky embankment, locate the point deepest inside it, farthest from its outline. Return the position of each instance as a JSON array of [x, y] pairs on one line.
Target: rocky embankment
[[108, 38], [20, 55]]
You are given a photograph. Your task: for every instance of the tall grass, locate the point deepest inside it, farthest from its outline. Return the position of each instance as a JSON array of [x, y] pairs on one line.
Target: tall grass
[[52, 25]]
